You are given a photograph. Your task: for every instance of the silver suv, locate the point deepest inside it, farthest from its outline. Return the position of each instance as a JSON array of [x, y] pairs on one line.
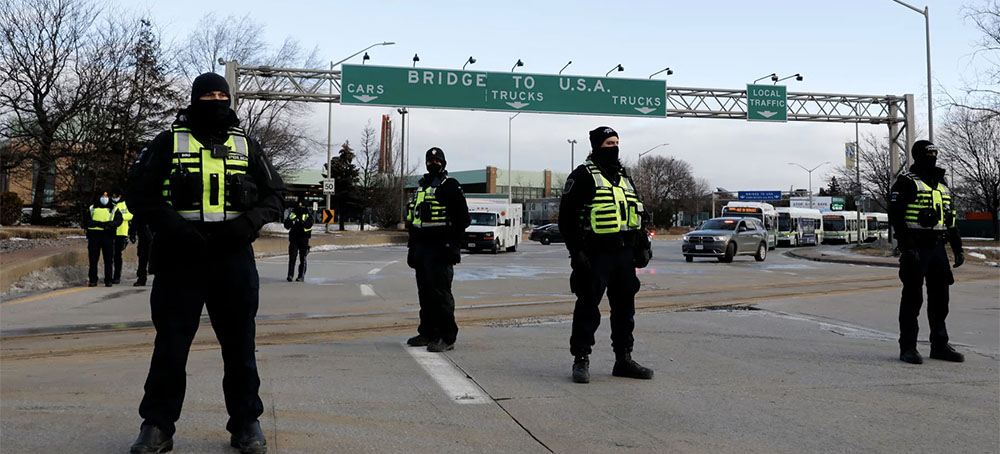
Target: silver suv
[[725, 238]]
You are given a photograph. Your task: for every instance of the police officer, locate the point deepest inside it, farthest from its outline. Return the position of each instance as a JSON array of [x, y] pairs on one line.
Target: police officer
[[205, 189], [600, 217], [101, 221], [121, 233], [923, 217], [437, 216], [299, 224]]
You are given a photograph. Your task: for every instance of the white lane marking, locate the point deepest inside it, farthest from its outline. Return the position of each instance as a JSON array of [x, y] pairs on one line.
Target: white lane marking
[[379, 269], [459, 387], [367, 290]]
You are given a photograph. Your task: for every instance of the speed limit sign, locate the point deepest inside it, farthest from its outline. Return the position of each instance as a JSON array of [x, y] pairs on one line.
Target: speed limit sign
[[328, 186]]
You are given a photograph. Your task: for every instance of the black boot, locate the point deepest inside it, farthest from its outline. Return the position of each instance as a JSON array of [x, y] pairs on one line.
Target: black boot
[[946, 353], [911, 355], [418, 341], [289, 278], [302, 270], [581, 369], [439, 345], [300, 278], [250, 440], [141, 282], [151, 440], [626, 367]]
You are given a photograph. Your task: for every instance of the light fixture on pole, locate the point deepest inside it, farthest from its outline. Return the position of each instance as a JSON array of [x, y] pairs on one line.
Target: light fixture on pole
[[797, 77], [773, 76], [667, 69], [415, 60], [810, 178], [519, 63], [572, 152], [470, 61], [651, 149], [329, 117], [365, 58], [564, 67], [619, 67], [926, 12], [509, 120]]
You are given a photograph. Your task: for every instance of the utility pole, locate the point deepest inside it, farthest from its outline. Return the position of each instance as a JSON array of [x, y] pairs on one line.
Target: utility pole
[[402, 170]]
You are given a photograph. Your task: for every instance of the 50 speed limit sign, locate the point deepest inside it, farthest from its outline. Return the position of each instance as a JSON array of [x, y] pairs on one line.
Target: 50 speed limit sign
[[328, 186]]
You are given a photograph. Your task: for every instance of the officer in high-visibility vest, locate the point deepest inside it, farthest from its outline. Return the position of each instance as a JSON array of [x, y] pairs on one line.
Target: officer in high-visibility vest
[[121, 233], [437, 216], [205, 189], [600, 217], [101, 221], [922, 215], [299, 224]]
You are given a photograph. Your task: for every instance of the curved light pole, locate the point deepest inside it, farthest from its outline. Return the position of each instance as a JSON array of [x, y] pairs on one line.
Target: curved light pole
[[797, 77], [572, 150], [470, 61], [566, 66], [926, 12], [619, 67], [510, 195], [416, 58], [667, 69], [519, 63], [810, 178], [647, 151], [773, 76]]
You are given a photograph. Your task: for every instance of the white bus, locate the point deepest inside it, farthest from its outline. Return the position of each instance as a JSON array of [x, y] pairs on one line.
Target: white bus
[[878, 226], [799, 226], [843, 227], [763, 211]]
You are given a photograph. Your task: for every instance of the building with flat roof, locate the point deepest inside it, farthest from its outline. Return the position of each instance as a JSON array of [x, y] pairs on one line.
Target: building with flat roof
[[525, 184]]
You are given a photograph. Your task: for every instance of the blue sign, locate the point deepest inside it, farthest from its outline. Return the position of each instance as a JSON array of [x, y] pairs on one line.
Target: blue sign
[[759, 196]]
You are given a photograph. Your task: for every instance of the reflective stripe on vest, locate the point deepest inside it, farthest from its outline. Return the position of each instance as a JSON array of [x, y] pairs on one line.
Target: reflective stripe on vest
[[937, 199], [126, 216], [434, 215], [614, 208], [100, 214], [190, 155]]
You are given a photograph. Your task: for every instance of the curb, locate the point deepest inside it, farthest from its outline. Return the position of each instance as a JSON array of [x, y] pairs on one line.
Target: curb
[[845, 260]]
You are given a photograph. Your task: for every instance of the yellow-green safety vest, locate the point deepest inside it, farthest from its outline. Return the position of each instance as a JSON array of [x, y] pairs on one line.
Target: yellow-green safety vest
[[936, 199], [294, 217], [614, 208], [431, 213], [100, 214], [126, 216], [192, 157]]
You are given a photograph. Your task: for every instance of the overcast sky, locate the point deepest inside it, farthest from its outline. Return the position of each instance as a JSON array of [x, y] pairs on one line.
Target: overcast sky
[[848, 46]]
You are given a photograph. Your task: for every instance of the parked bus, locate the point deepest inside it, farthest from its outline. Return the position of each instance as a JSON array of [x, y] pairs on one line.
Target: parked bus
[[843, 227], [878, 226], [799, 226], [763, 211]]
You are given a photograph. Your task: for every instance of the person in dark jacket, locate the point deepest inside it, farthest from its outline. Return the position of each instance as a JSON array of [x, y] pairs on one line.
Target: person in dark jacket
[[922, 215], [101, 222], [600, 217], [299, 224], [205, 189], [437, 217]]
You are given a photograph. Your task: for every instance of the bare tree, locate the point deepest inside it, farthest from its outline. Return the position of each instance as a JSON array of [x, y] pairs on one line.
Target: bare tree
[[275, 124], [51, 71], [982, 94], [663, 183], [971, 144], [876, 174]]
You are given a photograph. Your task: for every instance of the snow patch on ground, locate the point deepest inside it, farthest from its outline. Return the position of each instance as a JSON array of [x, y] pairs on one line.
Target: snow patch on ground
[[977, 255]]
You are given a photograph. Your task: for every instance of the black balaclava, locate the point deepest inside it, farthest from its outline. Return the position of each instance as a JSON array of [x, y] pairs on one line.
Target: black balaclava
[[213, 114], [604, 157], [435, 170], [925, 165]]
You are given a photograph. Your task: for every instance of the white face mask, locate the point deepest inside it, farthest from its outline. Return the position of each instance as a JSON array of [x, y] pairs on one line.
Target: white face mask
[[116, 199], [104, 200]]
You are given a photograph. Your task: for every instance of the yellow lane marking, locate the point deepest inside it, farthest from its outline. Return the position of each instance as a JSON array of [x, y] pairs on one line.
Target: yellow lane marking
[[43, 296]]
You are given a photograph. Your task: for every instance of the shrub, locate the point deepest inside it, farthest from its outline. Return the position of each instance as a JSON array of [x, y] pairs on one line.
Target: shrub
[[10, 208]]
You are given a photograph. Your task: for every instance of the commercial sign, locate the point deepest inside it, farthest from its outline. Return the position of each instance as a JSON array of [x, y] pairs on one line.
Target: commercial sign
[[759, 196], [501, 91], [767, 103], [824, 203], [850, 154]]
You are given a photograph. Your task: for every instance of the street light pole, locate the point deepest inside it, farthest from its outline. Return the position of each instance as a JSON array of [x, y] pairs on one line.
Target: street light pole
[[402, 169], [927, 30], [647, 151], [810, 171], [509, 120], [572, 158]]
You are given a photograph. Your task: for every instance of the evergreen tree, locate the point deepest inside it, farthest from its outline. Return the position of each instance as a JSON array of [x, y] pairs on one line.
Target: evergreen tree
[[834, 187], [346, 176]]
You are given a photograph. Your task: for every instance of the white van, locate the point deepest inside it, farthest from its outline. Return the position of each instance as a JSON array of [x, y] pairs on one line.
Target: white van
[[496, 226]]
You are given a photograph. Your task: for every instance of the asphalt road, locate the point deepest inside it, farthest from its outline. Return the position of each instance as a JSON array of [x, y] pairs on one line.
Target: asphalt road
[[784, 355]]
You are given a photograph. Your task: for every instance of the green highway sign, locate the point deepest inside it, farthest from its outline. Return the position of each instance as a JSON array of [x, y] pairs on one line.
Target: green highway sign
[[501, 91], [767, 103]]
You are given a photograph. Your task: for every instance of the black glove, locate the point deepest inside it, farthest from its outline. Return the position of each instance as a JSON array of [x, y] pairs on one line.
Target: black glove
[[579, 261], [238, 233], [453, 253], [411, 257], [643, 251], [131, 236], [184, 234], [959, 259]]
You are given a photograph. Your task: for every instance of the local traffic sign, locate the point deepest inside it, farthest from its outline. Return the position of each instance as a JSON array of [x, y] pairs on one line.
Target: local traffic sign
[[502, 91], [767, 103], [759, 196], [328, 185]]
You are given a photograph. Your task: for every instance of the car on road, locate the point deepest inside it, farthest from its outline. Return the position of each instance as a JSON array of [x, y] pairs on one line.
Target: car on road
[[546, 234], [725, 238]]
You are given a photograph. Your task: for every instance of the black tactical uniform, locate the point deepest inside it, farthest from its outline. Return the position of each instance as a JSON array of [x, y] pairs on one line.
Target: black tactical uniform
[[205, 189], [923, 218], [600, 219], [299, 224], [437, 218], [101, 221], [140, 234]]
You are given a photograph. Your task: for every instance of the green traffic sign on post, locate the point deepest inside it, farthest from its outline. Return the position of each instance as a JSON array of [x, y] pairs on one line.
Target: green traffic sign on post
[[512, 92], [767, 103]]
